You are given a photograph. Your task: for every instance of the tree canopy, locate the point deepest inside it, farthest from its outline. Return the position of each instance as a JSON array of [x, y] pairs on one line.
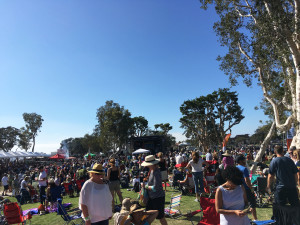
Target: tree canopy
[[207, 119], [33, 124], [262, 38]]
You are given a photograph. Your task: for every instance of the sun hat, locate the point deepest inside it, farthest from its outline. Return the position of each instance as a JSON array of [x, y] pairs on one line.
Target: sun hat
[[150, 160], [126, 204], [97, 168], [135, 208], [227, 153]]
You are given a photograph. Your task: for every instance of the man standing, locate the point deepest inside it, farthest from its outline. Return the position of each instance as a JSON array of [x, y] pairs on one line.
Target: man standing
[[42, 184], [286, 178], [4, 181], [208, 156], [241, 161]]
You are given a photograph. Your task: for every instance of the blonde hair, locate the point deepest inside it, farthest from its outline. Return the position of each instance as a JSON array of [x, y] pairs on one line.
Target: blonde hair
[[160, 155], [297, 153]]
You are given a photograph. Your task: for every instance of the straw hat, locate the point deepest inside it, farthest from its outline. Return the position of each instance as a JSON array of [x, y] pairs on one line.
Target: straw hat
[[135, 208], [227, 153], [150, 160], [97, 168]]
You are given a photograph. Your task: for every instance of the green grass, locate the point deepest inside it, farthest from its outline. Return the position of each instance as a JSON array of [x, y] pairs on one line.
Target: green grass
[[187, 205]]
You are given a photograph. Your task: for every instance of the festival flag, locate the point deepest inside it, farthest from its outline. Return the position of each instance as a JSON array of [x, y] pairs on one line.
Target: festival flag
[[225, 141]]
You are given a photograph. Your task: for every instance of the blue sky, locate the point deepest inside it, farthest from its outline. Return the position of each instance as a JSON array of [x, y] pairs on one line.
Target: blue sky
[[64, 59]]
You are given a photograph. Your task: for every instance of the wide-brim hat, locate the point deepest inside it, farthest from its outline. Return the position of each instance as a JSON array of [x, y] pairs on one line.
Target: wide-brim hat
[[97, 168], [135, 208], [150, 160], [227, 153]]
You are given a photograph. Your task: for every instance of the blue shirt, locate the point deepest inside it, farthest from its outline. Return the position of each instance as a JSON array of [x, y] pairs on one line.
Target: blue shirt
[[285, 169], [245, 172]]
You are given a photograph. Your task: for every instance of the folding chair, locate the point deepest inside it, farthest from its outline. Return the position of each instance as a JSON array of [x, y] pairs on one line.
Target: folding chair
[[173, 211], [14, 214], [210, 215], [69, 219], [262, 197], [68, 188]]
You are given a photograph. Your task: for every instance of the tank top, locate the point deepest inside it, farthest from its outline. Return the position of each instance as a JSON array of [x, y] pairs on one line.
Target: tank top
[[233, 200], [162, 165], [114, 175]]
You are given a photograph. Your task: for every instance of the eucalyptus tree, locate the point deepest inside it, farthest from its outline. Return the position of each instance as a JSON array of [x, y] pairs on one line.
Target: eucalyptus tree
[[262, 37], [24, 140], [33, 124], [8, 138], [114, 126], [139, 126], [208, 118]]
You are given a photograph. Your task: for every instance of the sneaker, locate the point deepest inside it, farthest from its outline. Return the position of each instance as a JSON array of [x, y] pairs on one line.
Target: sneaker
[[196, 200]]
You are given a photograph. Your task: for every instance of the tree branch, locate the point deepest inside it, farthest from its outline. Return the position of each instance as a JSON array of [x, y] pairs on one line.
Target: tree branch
[[274, 105]]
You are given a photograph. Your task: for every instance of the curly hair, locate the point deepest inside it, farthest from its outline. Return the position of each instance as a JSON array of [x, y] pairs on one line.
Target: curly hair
[[232, 173]]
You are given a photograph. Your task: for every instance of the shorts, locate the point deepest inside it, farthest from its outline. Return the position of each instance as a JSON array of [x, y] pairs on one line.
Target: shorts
[[251, 198], [6, 187], [157, 204], [164, 175], [114, 185]]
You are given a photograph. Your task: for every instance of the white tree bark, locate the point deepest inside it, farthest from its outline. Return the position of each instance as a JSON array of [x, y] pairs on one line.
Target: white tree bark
[[263, 147]]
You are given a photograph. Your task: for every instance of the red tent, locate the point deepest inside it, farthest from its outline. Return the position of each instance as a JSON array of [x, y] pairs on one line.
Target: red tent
[[57, 156]]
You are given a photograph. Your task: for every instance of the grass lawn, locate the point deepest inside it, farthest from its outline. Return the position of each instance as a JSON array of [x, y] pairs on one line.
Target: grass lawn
[[187, 205]]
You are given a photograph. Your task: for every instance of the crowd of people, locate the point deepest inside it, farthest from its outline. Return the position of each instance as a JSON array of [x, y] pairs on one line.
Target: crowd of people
[[103, 178]]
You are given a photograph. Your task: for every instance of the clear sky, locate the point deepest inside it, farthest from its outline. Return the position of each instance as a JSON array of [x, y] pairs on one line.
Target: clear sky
[[65, 59]]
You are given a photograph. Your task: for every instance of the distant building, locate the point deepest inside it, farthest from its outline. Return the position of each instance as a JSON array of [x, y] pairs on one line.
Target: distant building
[[240, 140]]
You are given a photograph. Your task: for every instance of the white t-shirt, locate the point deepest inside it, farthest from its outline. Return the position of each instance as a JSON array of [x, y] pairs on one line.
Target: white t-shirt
[[4, 181], [23, 184], [197, 167], [42, 176], [98, 200], [208, 156]]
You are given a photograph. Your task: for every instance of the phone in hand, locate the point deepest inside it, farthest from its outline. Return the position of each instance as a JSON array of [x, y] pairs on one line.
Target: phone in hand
[[247, 210]]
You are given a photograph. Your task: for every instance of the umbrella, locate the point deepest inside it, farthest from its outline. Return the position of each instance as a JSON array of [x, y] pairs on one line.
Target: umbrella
[[57, 156], [141, 151], [91, 154]]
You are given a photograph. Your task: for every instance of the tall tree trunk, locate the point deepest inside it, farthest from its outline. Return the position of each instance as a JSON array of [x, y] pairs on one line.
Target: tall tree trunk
[[263, 147], [33, 145]]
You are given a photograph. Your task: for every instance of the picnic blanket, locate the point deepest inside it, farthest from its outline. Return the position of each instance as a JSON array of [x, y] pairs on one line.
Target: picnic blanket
[[34, 211]]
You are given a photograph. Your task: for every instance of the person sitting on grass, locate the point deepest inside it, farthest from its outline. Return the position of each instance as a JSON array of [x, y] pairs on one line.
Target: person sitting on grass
[[138, 216]]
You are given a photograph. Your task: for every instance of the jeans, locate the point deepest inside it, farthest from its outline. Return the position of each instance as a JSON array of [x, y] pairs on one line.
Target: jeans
[[42, 194], [198, 180]]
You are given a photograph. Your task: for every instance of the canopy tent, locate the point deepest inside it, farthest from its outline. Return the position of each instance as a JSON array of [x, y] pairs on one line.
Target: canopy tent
[[57, 156], [140, 151], [18, 154], [91, 154]]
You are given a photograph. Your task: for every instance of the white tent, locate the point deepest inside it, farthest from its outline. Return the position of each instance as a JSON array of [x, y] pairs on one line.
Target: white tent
[[140, 151]]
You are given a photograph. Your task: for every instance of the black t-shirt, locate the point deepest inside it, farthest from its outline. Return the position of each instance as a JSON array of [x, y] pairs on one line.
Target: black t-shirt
[[285, 169]]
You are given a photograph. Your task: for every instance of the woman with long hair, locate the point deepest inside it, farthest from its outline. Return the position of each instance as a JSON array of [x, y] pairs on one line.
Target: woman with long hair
[[196, 165]]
